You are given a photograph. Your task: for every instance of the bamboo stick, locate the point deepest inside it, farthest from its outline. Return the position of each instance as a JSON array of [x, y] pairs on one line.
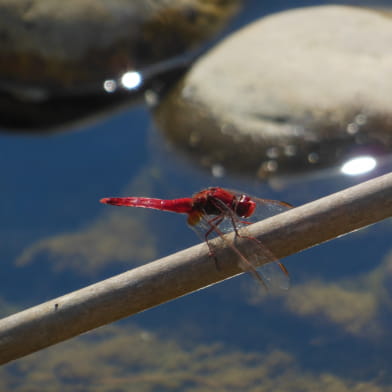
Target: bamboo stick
[[190, 270]]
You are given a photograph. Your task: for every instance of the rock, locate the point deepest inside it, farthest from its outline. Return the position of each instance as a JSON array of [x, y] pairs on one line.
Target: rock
[[293, 91], [57, 46], [55, 56]]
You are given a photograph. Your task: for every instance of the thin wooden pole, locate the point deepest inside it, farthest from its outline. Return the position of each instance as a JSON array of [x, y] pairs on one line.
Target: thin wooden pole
[[190, 270]]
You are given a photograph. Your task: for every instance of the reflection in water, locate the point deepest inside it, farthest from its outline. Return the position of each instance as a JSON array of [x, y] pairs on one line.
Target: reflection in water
[[218, 171], [110, 85], [131, 80], [359, 165], [351, 304], [206, 340], [128, 358], [125, 356], [113, 239]]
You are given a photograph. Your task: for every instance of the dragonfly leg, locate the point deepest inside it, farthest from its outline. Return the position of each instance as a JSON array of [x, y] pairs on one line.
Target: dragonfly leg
[[259, 243], [227, 212], [247, 266], [213, 223]]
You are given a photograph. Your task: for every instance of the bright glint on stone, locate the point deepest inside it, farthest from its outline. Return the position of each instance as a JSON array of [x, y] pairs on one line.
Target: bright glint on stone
[[131, 80], [358, 165]]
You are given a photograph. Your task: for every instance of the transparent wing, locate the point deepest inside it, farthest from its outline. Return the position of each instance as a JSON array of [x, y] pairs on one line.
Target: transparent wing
[[272, 274], [266, 208], [274, 277]]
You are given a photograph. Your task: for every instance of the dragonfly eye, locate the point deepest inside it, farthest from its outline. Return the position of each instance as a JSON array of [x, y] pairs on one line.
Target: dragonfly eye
[[245, 206]]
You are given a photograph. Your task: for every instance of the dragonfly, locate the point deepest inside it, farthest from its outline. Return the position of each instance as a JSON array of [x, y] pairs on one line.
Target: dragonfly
[[214, 212]]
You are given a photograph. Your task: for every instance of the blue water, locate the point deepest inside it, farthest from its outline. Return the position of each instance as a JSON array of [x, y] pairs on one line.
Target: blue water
[[329, 331]]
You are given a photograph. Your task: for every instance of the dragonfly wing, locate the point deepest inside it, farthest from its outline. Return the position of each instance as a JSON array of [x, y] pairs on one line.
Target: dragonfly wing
[[272, 274], [274, 277], [264, 262], [266, 208]]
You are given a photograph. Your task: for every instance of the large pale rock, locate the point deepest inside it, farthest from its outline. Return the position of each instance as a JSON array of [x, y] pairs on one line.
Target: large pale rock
[[293, 91]]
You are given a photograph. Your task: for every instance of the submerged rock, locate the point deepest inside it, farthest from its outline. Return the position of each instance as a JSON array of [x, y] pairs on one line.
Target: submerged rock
[[293, 91], [50, 49], [63, 44]]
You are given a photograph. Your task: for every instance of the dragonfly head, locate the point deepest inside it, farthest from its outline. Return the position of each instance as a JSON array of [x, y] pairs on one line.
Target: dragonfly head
[[245, 206]]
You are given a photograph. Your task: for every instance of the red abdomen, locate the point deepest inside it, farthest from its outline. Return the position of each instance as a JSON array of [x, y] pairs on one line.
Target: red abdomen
[[183, 205]]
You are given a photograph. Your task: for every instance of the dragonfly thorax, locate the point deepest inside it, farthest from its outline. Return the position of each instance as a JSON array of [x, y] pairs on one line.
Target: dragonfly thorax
[[218, 201]]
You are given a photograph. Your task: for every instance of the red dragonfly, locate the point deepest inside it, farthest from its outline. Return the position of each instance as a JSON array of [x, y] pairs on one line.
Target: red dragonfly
[[216, 211]]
